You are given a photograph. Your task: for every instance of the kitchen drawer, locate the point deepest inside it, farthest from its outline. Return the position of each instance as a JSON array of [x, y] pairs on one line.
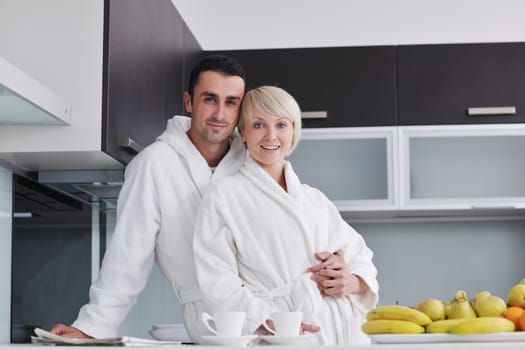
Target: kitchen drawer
[[351, 86], [437, 84]]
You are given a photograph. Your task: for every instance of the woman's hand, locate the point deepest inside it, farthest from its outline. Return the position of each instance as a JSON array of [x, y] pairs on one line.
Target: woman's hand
[[68, 331], [332, 278]]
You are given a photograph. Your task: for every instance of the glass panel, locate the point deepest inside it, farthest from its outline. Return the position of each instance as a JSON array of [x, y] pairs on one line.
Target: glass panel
[[344, 169], [467, 167], [51, 258]]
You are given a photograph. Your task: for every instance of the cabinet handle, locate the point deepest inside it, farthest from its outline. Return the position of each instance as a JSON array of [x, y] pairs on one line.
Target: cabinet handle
[[131, 145], [491, 110], [314, 115], [493, 206]]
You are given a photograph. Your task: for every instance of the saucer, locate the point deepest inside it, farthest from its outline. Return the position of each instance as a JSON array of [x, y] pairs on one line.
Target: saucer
[[289, 340], [243, 340]]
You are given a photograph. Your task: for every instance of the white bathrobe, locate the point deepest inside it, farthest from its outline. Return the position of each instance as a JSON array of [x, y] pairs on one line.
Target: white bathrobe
[[253, 242], [157, 205]]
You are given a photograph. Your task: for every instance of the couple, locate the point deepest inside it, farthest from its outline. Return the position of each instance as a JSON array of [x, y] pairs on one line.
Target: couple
[[157, 209]]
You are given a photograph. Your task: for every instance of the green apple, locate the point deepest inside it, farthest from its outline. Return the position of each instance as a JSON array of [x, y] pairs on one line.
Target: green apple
[[516, 295]]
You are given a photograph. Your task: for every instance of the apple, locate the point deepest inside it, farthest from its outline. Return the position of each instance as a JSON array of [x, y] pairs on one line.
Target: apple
[[516, 296], [434, 308]]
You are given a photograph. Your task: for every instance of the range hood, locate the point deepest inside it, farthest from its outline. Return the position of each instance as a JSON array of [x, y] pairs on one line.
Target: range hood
[[25, 101], [99, 187]]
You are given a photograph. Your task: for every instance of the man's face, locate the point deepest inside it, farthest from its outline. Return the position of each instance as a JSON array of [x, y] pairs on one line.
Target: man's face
[[215, 107]]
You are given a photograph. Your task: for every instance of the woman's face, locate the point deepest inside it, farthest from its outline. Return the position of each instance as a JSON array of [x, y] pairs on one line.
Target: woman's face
[[268, 139]]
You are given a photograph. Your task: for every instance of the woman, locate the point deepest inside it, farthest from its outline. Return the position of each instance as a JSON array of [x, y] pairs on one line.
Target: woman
[[257, 230]]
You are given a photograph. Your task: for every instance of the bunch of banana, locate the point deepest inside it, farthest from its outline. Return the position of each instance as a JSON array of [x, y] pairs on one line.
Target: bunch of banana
[[397, 319]]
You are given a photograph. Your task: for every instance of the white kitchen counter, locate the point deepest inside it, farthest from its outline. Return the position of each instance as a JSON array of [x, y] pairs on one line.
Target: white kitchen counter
[[433, 346]]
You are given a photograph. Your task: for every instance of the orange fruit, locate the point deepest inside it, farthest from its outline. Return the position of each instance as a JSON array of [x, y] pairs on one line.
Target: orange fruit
[[515, 314], [521, 322]]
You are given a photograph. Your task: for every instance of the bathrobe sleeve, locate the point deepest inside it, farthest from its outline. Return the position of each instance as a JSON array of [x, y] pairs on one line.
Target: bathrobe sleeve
[[216, 263], [356, 254], [130, 255]]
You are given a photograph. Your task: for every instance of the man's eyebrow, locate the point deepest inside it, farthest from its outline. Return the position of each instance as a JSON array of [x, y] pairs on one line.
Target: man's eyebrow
[[209, 94], [233, 98]]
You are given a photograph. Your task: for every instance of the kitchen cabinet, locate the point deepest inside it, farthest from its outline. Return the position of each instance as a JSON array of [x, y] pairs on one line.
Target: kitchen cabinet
[[144, 73], [355, 167], [461, 83], [122, 64], [351, 86], [478, 167], [416, 171]]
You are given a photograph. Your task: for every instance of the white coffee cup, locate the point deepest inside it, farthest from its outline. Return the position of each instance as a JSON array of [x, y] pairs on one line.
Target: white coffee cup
[[227, 323], [286, 324]]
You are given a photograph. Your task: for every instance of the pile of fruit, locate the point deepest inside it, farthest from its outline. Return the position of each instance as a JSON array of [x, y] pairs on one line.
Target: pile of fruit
[[485, 313]]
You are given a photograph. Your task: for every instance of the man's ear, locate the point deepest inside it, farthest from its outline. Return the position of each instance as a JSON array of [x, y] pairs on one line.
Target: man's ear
[[187, 102]]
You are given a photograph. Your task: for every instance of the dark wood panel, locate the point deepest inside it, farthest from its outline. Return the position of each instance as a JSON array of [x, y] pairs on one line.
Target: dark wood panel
[[437, 83], [143, 72], [356, 86]]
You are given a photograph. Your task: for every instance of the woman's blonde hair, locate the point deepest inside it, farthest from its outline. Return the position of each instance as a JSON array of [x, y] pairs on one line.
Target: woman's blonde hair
[[273, 101]]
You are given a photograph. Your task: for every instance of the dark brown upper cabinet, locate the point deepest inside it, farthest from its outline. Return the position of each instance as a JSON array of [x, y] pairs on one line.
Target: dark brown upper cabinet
[[148, 51], [353, 86], [461, 83]]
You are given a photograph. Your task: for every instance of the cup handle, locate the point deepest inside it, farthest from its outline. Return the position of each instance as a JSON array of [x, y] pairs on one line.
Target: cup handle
[[206, 318], [268, 328]]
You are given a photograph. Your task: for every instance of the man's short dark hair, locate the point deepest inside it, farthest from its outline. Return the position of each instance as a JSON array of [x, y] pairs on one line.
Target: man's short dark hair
[[216, 63]]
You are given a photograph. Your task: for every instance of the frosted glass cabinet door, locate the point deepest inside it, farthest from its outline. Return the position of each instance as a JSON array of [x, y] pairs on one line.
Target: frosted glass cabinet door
[[463, 167], [354, 167]]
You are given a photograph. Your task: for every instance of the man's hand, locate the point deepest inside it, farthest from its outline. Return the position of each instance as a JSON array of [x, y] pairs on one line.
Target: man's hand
[[68, 331], [332, 278]]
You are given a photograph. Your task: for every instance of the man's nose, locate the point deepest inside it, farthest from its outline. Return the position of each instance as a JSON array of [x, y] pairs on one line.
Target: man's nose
[[220, 110]]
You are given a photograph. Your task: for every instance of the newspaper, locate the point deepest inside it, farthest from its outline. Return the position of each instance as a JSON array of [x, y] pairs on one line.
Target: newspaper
[[44, 337]]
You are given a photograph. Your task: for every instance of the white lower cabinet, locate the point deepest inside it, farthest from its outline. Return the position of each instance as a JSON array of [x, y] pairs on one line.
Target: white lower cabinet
[[417, 170]]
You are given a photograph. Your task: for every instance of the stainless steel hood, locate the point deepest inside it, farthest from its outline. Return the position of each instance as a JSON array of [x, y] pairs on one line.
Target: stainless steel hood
[[25, 101], [90, 186]]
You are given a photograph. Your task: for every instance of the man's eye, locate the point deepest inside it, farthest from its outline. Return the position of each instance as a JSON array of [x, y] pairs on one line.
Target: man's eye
[[231, 103], [209, 99]]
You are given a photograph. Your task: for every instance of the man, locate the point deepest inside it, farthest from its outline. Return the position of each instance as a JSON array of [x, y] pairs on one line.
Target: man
[[156, 208], [158, 202]]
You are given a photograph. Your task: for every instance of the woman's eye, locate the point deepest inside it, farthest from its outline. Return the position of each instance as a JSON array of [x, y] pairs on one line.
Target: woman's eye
[[282, 125], [257, 125]]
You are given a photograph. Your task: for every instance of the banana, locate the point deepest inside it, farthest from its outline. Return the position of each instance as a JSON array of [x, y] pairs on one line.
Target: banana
[[391, 327], [483, 325], [443, 326], [398, 312]]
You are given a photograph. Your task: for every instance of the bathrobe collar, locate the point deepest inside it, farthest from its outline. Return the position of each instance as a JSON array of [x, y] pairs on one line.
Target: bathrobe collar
[[176, 136]]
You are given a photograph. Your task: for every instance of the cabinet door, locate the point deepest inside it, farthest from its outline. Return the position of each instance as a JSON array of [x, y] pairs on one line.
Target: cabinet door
[[143, 73], [355, 86], [354, 167], [437, 84], [462, 167]]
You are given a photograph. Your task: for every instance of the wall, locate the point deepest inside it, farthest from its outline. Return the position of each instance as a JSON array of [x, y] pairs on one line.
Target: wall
[[6, 213], [313, 23], [419, 260]]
